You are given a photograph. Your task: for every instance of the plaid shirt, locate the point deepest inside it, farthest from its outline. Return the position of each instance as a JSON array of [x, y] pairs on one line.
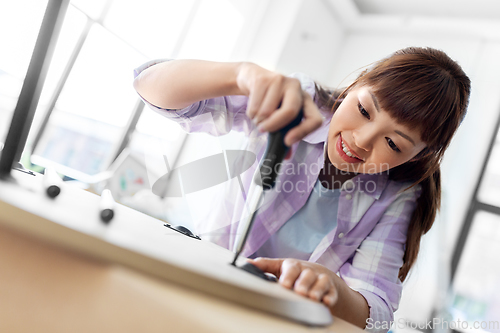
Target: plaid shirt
[[367, 246]]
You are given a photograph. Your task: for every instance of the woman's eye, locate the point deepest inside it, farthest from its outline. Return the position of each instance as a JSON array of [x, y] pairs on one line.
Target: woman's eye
[[392, 145], [363, 111]]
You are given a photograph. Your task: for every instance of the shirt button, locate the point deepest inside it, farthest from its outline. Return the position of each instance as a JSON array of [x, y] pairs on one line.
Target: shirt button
[[348, 196], [349, 185], [341, 235]]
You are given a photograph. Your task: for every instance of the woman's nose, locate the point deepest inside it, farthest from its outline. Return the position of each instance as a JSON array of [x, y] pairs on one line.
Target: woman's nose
[[363, 138]]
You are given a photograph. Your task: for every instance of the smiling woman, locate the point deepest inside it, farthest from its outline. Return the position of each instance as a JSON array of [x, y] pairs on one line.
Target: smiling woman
[[385, 132], [420, 96]]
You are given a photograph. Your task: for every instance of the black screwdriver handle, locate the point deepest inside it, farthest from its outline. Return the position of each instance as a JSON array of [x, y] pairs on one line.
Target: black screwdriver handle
[[275, 153]]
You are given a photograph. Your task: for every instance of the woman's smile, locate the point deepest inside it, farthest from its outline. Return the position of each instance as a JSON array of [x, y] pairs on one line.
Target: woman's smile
[[364, 138], [346, 153]]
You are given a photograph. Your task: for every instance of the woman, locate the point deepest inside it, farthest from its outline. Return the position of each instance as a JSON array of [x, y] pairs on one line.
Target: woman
[[346, 232]]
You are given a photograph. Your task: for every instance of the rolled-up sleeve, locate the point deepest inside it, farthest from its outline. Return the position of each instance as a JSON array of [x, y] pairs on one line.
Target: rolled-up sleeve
[[374, 269], [215, 116]]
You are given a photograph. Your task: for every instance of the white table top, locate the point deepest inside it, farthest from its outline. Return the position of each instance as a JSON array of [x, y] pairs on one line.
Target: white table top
[[135, 240]]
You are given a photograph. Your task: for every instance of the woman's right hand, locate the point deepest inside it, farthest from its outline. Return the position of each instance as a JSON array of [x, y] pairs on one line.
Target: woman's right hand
[[275, 100]]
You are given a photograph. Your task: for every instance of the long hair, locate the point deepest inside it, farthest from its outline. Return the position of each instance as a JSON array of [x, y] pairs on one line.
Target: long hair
[[421, 88]]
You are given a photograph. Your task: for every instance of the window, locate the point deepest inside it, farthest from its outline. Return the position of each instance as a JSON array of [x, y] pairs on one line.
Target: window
[[156, 28], [88, 99], [88, 111], [17, 37], [476, 294], [489, 191], [213, 32], [94, 106], [475, 266]]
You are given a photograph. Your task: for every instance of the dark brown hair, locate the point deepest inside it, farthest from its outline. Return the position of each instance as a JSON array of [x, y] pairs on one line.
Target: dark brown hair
[[425, 89]]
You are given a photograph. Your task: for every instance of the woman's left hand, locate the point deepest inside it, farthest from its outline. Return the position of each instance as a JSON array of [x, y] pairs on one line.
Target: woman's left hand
[[306, 278]]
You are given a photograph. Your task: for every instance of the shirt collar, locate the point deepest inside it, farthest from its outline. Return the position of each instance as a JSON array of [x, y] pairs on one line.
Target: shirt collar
[[370, 184]]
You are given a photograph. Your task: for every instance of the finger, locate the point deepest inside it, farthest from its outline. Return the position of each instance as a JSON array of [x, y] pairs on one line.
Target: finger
[[305, 282], [255, 98], [290, 271], [289, 109], [299, 132], [312, 121], [284, 94], [277, 120], [268, 265], [270, 102], [331, 298], [321, 287]]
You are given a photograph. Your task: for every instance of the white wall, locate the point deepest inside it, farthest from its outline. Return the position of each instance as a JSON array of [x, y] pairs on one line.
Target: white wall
[[313, 42], [333, 55], [275, 25], [298, 36]]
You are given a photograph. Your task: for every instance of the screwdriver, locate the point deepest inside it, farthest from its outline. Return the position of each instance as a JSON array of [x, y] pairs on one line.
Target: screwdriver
[[264, 180]]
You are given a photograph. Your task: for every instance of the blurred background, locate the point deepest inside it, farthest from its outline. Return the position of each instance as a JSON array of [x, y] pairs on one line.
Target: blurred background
[[93, 129]]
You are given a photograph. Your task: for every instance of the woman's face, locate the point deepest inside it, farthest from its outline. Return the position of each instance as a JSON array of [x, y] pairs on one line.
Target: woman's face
[[363, 138]]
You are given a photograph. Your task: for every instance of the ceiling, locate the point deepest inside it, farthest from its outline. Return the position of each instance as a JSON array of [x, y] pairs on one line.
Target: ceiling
[[467, 9], [478, 18]]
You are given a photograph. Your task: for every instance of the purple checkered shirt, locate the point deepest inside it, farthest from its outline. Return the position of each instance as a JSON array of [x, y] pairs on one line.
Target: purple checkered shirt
[[367, 246]]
